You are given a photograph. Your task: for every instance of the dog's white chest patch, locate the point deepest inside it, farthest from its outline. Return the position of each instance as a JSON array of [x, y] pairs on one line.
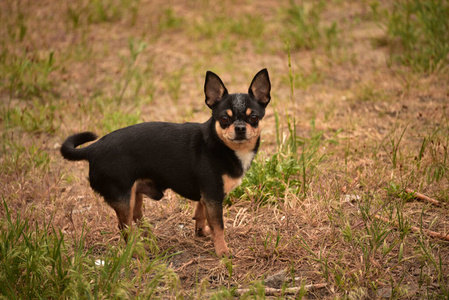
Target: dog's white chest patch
[[245, 158]]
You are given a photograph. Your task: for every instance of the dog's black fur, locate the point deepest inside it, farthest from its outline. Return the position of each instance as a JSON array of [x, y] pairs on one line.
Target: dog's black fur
[[199, 161]]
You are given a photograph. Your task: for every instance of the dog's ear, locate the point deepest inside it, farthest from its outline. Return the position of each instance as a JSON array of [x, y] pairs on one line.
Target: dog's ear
[[214, 89], [260, 87]]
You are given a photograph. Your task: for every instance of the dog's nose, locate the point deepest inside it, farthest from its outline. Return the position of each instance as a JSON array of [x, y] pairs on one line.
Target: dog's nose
[[240, 128]]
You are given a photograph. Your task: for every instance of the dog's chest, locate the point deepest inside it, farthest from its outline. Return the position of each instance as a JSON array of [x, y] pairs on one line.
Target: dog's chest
[[245, 158]]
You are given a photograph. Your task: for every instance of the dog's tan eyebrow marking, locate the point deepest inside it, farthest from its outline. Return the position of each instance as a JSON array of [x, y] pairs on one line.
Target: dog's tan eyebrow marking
[[229, 112], [248, 111]]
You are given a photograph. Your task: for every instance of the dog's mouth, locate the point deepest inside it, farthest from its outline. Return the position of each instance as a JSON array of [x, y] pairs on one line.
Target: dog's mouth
[[238, 140]]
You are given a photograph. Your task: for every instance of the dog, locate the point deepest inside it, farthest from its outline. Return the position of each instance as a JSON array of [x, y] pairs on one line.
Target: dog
[[202, 162]]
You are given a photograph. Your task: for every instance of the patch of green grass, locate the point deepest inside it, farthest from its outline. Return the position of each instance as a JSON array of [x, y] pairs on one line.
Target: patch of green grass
[[226, 32], [433, 155], [38, 117], [20, 159], [369, 92], [16, 26], [271, 179], [131, 71], [304, 28], [37, 261], [173, 83], [80, 13], [303, 80], [113, 120], [418, 32], [27, 75], [169, 20], [250, 26]]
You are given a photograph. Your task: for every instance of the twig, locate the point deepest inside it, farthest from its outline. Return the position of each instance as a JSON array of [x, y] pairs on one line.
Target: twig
[[431, 233], [185, 265], [288, 291], [423, 197]]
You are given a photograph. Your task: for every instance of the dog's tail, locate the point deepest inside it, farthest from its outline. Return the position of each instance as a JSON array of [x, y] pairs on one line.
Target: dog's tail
[[68, 148]]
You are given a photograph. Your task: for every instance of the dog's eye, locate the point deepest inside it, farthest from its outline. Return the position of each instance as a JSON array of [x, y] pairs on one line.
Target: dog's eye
[[253, 119], [225, 119]]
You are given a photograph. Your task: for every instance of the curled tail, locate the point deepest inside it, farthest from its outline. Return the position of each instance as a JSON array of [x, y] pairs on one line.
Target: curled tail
[[68, 148]]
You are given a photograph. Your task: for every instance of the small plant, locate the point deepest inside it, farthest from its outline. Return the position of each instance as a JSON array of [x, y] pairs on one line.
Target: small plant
[[101, 11], [135, 50], [229, 266], [114, 120], [37, 117], [17, 29], [272, 243], [418, 30], [27, 76], [304, 29], [169, 20], [395, 142], [174, 82], [21, 159]]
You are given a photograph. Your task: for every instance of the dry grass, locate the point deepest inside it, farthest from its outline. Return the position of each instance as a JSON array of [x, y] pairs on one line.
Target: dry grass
[[383, 128]]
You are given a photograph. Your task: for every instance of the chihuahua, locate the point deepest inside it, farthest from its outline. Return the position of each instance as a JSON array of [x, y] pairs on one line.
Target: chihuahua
[[201, 162]]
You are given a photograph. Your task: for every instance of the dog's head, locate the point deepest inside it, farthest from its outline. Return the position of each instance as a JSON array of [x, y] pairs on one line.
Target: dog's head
[[238, 116]]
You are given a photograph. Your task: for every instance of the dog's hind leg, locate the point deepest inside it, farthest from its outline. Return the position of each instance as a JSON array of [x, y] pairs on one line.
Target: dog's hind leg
[[200, 220], [149, 188], [124, 208], [137, 213]]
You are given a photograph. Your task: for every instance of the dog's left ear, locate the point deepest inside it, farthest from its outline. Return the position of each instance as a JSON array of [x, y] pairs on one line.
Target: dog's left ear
[[260, 87], [214, 89]]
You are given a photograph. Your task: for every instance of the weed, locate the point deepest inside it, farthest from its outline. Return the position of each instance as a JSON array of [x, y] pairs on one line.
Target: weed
[[370, 92], [169, 20], [225, 32], [229, 266], [17, 28], [394, 142], [303, 80], [271, 179], [37, 118], [27, 76], [173, 83], [305, 31], [114, 120], [81, 14], [418, 30], [20, 159], [135, 50]]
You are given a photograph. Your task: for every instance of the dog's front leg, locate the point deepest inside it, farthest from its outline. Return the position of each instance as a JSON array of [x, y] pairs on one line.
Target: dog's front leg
[[214, 215]]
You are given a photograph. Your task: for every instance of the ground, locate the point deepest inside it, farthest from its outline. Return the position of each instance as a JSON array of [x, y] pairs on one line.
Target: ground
[[348, 129]]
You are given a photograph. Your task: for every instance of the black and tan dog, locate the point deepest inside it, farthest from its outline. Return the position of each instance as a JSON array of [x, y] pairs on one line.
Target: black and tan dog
[[201, 162]]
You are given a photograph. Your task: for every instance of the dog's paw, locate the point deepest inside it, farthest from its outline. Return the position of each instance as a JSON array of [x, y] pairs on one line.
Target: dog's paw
[[204, 231], [223, 252]]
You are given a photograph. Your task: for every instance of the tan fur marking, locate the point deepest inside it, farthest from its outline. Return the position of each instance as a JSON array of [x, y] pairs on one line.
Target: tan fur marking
[[214, 215], [137, 213], [200, 220], [230, 183], [248, 111], [125, 210], [221, 248], [132, 203], [229, 112]]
